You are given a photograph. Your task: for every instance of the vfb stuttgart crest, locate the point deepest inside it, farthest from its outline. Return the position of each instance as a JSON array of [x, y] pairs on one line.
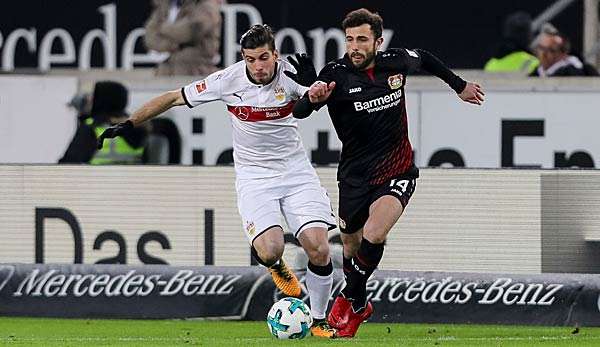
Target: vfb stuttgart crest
[[279, 93], [250, 228], [395, 81]]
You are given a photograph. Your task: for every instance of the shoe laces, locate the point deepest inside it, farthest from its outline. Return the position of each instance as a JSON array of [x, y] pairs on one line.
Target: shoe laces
[[282, 270]]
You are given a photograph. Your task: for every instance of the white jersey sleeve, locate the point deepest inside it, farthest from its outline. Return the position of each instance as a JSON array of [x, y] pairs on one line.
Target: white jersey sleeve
[[299, 90], [203, 91]]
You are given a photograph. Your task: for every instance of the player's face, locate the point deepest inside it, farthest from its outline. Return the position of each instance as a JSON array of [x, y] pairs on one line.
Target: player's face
[[361, 46], [260, 63]]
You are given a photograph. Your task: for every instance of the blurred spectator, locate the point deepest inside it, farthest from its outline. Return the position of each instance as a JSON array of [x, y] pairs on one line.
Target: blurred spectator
[[83, 145], [553, 50], [105, 107], [190, 31], [512, 53]]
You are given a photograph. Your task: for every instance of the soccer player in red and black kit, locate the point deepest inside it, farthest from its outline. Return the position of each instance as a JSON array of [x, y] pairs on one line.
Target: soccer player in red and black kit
[[364, 92]]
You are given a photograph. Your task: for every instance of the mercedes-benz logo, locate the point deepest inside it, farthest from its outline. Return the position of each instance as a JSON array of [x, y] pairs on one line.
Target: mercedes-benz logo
[[6, 273], [242, 112]]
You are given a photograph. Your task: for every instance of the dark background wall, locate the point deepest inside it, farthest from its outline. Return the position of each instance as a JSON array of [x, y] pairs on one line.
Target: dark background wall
[[461, 32]]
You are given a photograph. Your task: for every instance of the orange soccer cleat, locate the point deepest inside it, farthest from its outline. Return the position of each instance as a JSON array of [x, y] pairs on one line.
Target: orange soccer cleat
[[321, 328], [285, 279]]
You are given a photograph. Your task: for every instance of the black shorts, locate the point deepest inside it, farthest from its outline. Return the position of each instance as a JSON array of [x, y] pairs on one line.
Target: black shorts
[[354, 201]]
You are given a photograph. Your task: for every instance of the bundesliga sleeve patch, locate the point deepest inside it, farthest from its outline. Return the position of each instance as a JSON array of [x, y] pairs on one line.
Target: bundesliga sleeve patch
[[200, 87]]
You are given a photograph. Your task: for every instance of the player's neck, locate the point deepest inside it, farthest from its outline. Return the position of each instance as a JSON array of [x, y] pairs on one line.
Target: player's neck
[[370, 66], [370, 71]]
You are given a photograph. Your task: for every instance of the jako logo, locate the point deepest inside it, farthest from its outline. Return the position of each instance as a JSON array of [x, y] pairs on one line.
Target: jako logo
[[6, 272]]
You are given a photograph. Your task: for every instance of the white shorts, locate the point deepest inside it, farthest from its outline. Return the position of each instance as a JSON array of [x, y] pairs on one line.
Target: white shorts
[[296, 195]]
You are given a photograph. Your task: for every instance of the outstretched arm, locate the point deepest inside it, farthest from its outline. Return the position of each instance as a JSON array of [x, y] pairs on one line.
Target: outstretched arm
[[157, 106], [148, 111], [303, 108], [467, 91], [473, 93], [316, 97]]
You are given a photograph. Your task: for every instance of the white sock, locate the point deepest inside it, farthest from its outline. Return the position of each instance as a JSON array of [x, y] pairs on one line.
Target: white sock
[[319, 291]]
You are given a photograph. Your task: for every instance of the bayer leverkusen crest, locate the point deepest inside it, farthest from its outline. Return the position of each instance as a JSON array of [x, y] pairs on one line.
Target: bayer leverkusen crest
[[395, 81]]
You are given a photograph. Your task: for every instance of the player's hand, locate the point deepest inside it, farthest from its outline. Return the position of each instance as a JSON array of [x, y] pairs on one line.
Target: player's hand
[[114, 131], [320, 91], [305, 69], [472, 93]]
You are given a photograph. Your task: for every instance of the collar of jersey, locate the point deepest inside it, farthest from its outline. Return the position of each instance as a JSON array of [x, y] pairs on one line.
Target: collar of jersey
[[249, 78]]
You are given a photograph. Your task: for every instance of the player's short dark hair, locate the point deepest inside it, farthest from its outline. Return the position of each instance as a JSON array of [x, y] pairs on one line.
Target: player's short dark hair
[[363, 16], [258, 35]]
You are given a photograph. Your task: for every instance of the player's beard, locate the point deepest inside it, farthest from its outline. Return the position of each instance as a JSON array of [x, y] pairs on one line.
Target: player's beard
[[369, 57], [265, 77]]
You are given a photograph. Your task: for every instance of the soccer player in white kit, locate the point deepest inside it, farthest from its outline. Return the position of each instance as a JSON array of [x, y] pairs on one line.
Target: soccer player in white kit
[[273, 173]]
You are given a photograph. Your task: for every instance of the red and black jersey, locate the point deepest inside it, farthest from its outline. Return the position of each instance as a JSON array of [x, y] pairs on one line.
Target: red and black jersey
[[368, 111]]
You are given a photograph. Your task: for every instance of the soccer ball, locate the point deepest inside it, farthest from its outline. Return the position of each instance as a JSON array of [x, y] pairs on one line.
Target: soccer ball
[[289, 318]]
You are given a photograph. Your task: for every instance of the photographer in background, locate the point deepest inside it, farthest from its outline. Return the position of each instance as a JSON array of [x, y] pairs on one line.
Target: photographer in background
[[97, 111]]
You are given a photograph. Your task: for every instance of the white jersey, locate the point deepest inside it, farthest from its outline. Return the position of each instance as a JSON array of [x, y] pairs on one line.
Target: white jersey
[[265, 134]]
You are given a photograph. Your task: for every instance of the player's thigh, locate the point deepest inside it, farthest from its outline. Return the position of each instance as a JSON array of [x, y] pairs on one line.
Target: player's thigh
[[390, 202], [353, 209], [353, 213], [314, 236], [260, 211], [308, 206], [384, 213], [270, 243]]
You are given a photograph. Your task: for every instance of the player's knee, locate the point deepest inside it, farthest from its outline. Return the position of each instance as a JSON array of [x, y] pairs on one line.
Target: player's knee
[[318, 253], [272, 255], [268, 254], [374, 234], [351, 244], [376, 240]]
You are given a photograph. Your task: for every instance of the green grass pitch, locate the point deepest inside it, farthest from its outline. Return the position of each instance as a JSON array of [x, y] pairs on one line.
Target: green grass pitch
[[82, 332]]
